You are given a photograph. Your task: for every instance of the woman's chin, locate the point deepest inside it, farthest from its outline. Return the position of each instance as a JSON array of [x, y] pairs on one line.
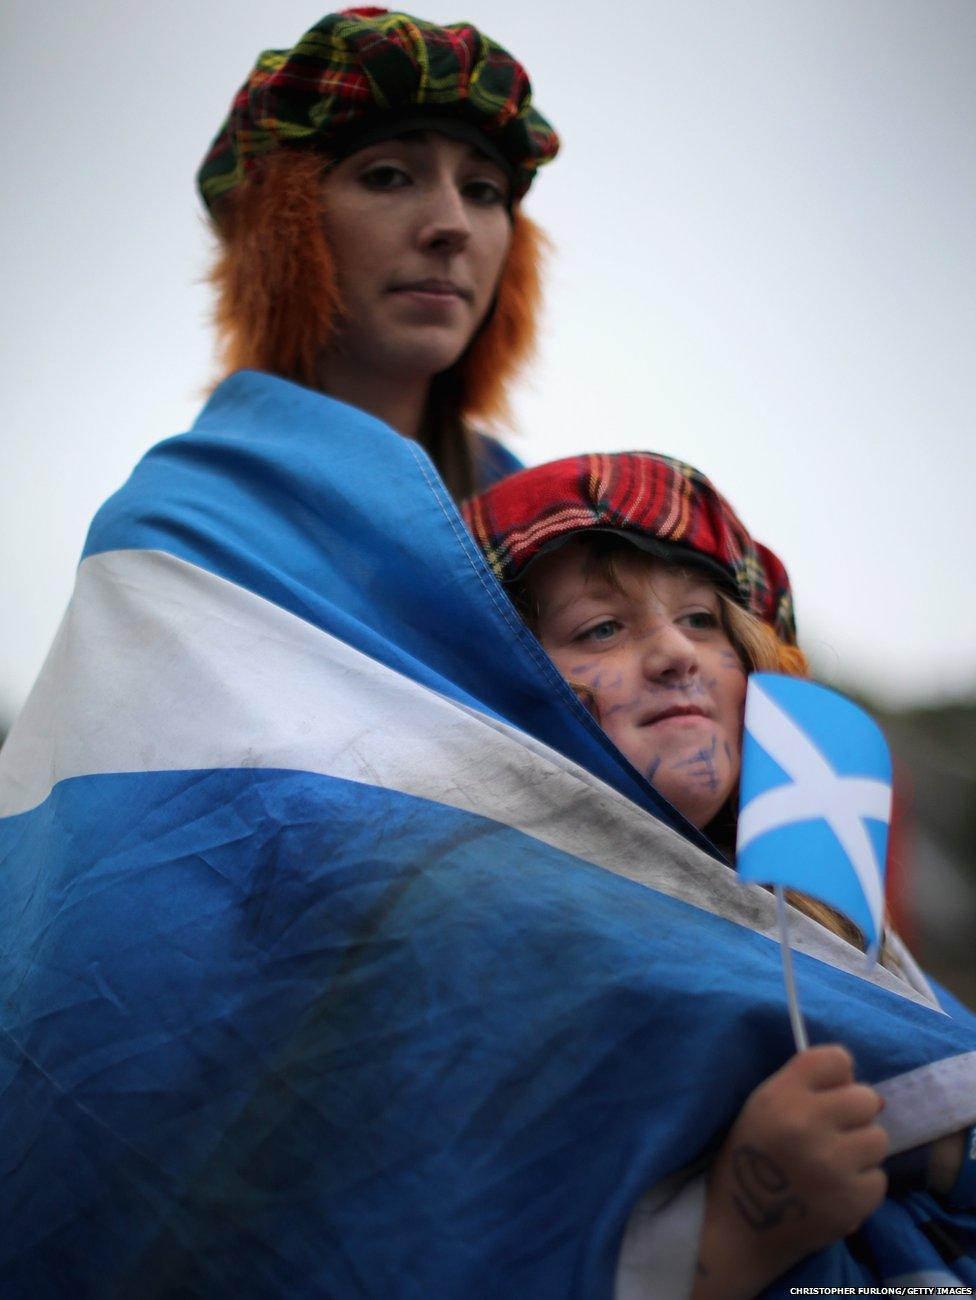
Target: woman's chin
[[428, 357], [425, 347], [409, 356]]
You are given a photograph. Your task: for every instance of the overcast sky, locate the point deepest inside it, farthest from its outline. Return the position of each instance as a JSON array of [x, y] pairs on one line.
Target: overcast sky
[[764, 214]]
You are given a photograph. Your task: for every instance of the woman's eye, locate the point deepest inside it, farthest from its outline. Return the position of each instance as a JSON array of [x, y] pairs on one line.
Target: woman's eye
[[384, 177], [484, 192]]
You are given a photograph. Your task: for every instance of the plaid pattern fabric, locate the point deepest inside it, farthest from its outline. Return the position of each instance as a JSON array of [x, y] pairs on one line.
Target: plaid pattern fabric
[[360, 63], [637, 492]]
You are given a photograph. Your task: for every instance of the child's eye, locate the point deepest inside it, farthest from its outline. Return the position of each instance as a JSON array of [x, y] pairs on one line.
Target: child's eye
[[604, 631], [384, 176], [484, 192]]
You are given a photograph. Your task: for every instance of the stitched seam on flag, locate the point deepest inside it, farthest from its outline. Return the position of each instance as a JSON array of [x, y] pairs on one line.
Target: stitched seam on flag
[[499, 600], [502, 605]]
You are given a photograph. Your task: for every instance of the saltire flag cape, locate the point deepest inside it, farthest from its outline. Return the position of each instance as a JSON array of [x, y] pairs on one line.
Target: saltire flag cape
[[342, 955]]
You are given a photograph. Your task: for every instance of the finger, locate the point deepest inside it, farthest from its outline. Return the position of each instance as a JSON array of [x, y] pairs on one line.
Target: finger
[[849, 1106], [828, 1066], [863, 1149]]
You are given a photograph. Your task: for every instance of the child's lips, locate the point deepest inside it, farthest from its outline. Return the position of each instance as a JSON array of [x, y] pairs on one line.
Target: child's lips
[[679, 714]]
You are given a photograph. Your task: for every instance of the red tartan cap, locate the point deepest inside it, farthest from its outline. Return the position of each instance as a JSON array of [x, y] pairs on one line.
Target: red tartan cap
[[654, 501], [355, 74]]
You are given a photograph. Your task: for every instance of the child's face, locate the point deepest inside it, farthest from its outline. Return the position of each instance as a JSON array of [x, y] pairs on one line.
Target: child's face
[[668, 684]]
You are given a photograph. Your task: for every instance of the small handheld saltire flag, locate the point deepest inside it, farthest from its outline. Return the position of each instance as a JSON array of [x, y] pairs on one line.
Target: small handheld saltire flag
[[815, 798]]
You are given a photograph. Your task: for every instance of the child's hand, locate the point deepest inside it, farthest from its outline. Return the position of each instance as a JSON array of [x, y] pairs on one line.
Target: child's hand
[[798, 1170]]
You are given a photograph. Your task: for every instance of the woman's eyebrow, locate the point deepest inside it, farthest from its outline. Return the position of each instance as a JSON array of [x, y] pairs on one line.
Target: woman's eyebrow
[[476, 155], [422, 136], [408, 137]]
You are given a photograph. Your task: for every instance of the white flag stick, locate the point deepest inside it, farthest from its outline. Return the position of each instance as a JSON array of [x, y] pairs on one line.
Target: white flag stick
[[796, 1015]]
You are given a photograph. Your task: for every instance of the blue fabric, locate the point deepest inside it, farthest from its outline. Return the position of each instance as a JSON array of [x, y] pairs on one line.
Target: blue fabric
[[493, 461], [248, 1057], [963, 1190], [271, 1033]]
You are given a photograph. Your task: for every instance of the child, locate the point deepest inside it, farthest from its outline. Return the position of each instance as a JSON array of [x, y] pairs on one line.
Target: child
[[654, 603]]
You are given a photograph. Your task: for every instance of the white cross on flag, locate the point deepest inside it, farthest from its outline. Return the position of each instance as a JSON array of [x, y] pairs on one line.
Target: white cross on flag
[[814, 798]]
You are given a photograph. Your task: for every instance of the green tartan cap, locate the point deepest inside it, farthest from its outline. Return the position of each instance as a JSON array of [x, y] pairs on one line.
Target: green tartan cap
[[364, 67]]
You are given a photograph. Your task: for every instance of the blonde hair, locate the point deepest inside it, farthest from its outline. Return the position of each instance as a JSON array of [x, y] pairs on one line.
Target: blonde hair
[[278, 304]]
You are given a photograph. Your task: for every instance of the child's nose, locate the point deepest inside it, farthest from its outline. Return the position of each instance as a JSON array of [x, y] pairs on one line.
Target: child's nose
[[671, 657]]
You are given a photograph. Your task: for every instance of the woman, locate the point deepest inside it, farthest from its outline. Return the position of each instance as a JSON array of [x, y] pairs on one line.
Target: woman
[[365, 191], [654, 603]]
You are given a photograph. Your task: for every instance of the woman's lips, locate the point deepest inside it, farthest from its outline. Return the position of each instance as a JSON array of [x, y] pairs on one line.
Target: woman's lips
[[433, 291]]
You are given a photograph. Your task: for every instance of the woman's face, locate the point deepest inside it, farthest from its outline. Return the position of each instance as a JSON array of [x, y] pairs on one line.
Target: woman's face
[[668, 684], [419, 228]]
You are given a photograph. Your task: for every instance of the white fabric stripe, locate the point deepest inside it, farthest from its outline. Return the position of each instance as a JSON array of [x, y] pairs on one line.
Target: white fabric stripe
[[659, 1250], [240, 682], [922, 1104], [834, 797]]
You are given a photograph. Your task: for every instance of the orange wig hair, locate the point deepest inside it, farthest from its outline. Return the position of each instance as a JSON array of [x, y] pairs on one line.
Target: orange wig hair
[[278, 301]]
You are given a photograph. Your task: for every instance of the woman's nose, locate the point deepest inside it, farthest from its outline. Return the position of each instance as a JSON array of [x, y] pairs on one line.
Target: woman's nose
[[671, 657], [445, 223]]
